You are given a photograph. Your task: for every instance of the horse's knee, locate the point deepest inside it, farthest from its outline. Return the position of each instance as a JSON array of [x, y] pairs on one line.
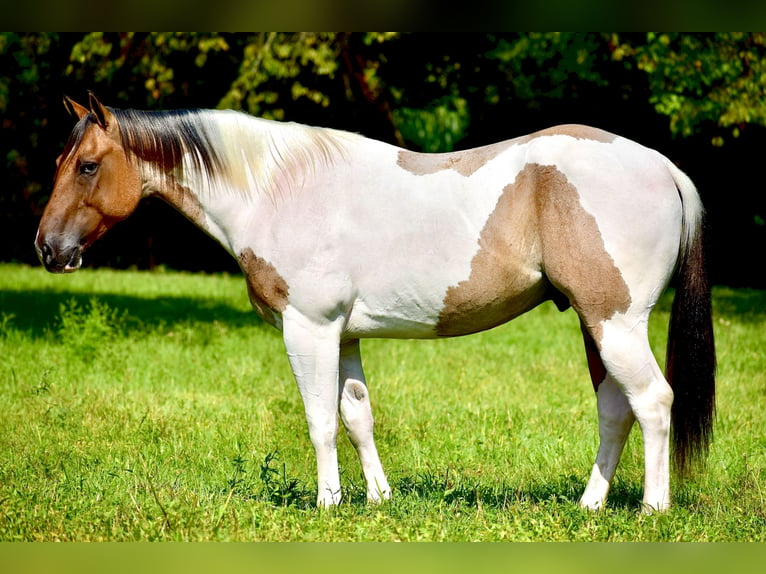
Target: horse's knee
[[323, 431]]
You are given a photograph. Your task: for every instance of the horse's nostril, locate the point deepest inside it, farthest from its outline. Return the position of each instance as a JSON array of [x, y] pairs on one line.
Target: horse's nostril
[[47, 252]]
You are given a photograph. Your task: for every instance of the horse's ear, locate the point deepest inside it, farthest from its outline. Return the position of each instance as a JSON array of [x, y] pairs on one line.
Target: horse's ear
[[74, 109], [99, 110]]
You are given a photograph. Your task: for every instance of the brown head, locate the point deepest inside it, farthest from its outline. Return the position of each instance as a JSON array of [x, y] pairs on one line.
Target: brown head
[[95, 186]]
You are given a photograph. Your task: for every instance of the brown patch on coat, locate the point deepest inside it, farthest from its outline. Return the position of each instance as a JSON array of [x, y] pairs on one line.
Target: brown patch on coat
[[467, 162], [539, 243], [506, 278], [464, 162], [575, 259], [267, 289]]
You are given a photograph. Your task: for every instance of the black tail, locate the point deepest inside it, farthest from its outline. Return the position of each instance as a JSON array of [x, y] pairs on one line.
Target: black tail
[[691, 361]]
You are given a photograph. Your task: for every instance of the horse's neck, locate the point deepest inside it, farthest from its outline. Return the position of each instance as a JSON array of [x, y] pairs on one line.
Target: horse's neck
[[205, 197], [261, 163]]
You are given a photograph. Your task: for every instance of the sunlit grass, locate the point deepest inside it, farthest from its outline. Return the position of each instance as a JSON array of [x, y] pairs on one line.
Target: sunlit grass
[[156, 406]]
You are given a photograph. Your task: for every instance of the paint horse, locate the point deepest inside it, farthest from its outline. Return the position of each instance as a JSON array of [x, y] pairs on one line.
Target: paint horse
[[341, 237]]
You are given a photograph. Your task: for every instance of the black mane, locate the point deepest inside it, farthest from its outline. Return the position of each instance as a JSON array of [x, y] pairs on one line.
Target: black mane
[[163, 138]]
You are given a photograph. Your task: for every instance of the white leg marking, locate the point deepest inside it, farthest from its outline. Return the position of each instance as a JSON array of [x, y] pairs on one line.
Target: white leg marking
[[628, 359], [356, 414], [314, 352], [615, 419]]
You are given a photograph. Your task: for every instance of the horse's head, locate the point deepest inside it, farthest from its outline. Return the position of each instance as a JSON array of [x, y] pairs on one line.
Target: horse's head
[[96, 185]]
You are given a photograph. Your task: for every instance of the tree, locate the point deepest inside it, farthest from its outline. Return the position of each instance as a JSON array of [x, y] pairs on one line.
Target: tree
[[714, 82]]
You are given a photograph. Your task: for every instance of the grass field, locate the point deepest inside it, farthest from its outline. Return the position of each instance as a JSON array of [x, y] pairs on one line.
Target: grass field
[[156, 406]]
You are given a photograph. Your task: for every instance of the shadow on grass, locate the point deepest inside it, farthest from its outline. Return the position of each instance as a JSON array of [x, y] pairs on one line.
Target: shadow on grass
[[36, 312], [557, 489], [276, 487]]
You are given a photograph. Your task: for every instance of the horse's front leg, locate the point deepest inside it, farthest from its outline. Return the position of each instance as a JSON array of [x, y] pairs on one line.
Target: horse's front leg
[[356, 414], [314, 351]]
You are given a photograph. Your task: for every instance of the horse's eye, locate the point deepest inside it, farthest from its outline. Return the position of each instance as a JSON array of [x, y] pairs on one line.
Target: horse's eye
[[88, 168]]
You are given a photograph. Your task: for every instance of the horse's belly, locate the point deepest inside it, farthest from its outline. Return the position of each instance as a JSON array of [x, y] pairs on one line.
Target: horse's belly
[[484, 302], [406, 312], [462, 308]]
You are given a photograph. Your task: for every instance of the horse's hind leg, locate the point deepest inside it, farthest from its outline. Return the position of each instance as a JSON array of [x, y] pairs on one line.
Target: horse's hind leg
[[632, 368], [615, 419], [356, 414]]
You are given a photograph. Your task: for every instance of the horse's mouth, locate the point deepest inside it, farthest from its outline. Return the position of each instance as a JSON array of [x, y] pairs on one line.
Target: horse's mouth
[[59, 261], [75, 261], [69, 266]]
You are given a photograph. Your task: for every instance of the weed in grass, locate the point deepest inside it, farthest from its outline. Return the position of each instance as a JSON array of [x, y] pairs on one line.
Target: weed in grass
[[6, 323], [85, 330], [280, 489], [43, 388]]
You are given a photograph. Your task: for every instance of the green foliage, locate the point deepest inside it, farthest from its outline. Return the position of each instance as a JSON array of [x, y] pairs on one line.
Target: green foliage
[[164, 435], [543, 66], [148, 61], [28, 63], [692, 78], [273, 61], [698, 79], [436, 128], [26, 68]]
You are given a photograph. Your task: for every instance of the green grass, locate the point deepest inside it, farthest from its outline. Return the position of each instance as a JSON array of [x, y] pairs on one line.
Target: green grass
[[156, 406]]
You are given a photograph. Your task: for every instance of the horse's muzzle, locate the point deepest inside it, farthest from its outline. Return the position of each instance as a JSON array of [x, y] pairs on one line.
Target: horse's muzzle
[[58, 258]]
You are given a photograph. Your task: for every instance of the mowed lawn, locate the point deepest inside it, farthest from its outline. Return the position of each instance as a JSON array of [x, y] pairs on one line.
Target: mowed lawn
[[156, 406]]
